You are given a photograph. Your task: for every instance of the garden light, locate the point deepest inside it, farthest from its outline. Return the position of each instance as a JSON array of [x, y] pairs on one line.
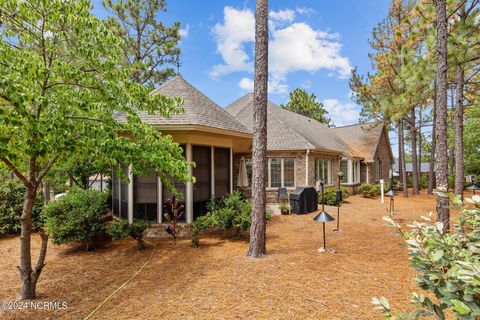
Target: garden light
[[323, 217]]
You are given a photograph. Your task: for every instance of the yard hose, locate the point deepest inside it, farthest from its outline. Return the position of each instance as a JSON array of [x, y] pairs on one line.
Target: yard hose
[[125, 283]]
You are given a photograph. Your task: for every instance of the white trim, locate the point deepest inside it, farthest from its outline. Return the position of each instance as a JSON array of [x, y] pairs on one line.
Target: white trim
[[269, 173], [130, 194], [212, 172], [159, 200], [179, 127], [189, 186]]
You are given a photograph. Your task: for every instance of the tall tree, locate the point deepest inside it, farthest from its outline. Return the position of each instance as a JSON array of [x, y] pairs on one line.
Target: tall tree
[[414, 135], [431, 173], [60, 89], [307, 104], [441, 163], [257, 247], [150, 48], [401, 157]]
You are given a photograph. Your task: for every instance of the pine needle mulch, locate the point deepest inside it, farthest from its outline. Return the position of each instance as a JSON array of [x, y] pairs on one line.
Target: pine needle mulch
[[218, 281]]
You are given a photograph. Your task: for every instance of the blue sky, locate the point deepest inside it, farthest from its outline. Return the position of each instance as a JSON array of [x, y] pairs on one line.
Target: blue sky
[[313, 45]]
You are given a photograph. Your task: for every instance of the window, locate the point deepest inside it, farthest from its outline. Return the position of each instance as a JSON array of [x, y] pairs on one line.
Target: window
[[356, 171], [222, 172], [323, 170], [280, 172], [344, 170]]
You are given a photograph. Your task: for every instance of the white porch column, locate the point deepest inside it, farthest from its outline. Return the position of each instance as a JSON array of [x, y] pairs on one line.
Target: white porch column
[[130, 194], [306, 167], [189, 192], [159, 200], [231, 170], [350, 171], [212, 171]]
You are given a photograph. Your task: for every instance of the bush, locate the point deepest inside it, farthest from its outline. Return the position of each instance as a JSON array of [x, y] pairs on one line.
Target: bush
[[121, 229], [330, 194], [12, 194], [447, 265], [78, 216], [369, 190], [230, 212]]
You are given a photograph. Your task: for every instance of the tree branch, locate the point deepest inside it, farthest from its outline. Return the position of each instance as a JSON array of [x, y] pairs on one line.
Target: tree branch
[[19, 175], [45, 170]]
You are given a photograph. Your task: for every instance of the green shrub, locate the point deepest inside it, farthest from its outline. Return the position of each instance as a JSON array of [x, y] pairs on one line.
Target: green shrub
[[77, 216], [369, 190], [330, 194], [121, 229], [12, 194], [230, 212], [447, 266]]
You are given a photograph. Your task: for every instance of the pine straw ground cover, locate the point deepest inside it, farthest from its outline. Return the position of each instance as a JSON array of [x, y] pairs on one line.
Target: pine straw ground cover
[[217, 280]]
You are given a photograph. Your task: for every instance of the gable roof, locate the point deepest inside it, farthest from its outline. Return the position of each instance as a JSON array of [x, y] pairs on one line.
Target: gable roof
[[199, 109], [362, 139], [288, 130]]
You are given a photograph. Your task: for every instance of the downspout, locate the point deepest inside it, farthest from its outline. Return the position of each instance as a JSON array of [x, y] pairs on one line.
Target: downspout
[[306, 167]]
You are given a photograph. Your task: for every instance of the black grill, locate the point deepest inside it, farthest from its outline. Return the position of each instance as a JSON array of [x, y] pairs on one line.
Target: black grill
[[304, 200]]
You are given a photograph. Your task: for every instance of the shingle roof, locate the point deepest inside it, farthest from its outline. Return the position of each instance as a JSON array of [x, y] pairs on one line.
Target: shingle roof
[[288, 130], [361, 138], [199, 109]]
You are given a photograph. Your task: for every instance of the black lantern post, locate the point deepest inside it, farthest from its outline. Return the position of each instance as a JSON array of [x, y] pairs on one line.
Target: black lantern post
[[338, 200], [323, 217], [473, 187], [391, 193]]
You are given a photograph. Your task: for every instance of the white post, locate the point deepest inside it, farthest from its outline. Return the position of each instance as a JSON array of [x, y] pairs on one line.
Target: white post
[[231, 170], [130, 194], [189, 193], [381, 190], [350, 171], [212, 171], [159, 200], [306, 167]]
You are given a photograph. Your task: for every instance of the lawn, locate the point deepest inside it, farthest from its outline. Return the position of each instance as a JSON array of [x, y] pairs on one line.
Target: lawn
[[218, 281]]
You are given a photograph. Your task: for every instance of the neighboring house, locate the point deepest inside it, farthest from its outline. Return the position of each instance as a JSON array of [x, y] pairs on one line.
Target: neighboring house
[[300, 151]]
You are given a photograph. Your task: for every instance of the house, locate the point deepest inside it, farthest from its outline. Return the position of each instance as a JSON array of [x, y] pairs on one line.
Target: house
[[300, 151]]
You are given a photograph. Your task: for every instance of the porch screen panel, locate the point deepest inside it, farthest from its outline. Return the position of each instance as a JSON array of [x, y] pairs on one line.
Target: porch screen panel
[[115, 193], [202, 173], [222, 172], [180, 187], [145, 197], [124, 195]]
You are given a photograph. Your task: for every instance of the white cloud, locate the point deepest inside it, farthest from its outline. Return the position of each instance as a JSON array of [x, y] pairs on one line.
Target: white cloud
[[246, 84], [305, 10], [238, 28], [295, 46], [342, 113], [300, 47], [286, 15], [184, 32]]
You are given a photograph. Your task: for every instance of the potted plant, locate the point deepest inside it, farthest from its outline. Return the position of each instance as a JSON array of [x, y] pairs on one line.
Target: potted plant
[[284, 208]]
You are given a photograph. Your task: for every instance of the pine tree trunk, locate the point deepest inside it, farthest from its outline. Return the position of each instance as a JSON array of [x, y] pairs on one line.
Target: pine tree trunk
[[441, 163], [257, 247], [413, 132], [459, 162], [420, 141], [431, 173], [401, 155]]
